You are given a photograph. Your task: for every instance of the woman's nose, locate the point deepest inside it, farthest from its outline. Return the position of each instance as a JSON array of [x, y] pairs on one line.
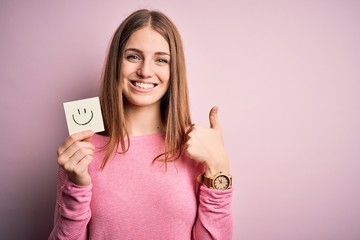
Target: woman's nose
[[145, 70]]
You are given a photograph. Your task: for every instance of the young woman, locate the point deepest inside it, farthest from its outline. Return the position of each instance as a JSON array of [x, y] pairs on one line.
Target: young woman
[[140, 178]]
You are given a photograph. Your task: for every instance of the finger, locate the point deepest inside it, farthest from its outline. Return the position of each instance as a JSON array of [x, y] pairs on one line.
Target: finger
[[213, 118], [79, 173], [80, 136], [188, 151], [76, 148], [83, 165], [74, 160], [188, 130]]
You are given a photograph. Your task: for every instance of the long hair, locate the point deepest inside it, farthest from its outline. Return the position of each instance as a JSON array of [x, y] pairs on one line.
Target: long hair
[[175, 112]]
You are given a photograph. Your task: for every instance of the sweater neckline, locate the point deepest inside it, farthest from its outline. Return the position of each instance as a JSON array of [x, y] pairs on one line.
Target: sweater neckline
[[139, 137]]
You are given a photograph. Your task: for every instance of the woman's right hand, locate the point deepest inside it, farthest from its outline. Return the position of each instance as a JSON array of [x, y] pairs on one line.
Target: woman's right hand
[[75, 155]]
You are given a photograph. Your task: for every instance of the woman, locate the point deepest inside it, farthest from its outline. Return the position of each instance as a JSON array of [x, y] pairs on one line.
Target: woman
[[139, 178]]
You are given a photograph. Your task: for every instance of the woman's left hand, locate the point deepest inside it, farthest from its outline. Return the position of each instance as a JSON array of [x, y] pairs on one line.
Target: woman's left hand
[[206, 145]]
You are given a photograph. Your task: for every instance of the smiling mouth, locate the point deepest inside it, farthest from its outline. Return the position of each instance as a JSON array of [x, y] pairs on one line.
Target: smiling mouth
[[82, 124], [143, 85]]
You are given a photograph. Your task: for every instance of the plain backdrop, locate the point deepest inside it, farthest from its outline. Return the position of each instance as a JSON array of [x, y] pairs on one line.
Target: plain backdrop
[[285, 75]]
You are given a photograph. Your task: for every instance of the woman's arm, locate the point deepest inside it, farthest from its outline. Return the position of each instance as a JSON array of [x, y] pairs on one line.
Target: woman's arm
[[205, 145], [72, 210], [214, 219]]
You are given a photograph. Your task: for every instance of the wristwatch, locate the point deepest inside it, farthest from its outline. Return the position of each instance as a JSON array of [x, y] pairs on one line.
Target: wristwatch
[[220, 181]]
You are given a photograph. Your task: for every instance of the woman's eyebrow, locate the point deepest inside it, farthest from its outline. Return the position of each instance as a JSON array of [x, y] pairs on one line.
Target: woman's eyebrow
[[162, 53], [133, 49]]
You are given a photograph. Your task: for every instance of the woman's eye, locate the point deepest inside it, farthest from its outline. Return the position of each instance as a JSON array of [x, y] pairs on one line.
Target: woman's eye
[[132, 57], [162, 60]]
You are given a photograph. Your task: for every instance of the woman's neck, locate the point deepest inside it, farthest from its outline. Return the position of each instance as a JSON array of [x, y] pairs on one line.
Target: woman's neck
[[143, 120]]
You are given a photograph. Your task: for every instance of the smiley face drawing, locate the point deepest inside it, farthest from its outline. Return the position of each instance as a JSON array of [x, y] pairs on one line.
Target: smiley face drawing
[[83, 119], [84, 114]]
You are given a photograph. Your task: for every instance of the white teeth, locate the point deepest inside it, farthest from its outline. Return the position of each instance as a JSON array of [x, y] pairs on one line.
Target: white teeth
[[144, 85]]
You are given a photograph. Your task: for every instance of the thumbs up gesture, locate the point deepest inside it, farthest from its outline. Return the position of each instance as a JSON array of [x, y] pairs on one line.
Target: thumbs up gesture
[[206, 145]]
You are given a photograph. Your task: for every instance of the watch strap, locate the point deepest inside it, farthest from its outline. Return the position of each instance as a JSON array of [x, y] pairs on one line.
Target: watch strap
[[208, 181]]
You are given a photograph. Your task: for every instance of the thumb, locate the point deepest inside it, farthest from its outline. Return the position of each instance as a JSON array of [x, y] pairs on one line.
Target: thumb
[[213, 118]]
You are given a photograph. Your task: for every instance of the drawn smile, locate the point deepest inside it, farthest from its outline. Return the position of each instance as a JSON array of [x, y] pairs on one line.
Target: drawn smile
[[83, 120]]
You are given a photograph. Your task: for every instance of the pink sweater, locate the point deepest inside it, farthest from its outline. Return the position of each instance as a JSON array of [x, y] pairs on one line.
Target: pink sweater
[[135, 199]]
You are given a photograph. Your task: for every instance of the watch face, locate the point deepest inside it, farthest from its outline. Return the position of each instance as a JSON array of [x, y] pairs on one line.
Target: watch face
[[221, 182]]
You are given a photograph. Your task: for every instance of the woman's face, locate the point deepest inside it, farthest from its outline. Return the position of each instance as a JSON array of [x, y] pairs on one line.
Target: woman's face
[[145, 68]]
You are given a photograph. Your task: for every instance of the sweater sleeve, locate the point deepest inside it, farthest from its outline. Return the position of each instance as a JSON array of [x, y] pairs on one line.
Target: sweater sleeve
[[214, 220], [72, 210]]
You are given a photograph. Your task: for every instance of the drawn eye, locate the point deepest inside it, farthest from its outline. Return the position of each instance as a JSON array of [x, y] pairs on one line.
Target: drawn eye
[[83, 117]]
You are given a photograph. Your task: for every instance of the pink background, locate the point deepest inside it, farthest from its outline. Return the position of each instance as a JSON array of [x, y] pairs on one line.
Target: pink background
[[285, 74]]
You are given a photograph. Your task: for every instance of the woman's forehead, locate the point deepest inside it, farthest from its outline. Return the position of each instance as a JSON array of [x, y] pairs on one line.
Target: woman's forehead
[[147, 40]]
